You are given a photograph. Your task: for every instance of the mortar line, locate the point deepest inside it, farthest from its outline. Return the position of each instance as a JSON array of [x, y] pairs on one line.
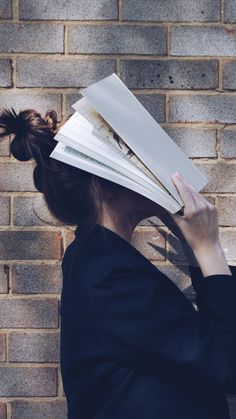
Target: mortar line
[[118, 68], [120, 10], [220, 74], [222, 11], [99, 56], [115, 22], [9, 411], [168, 39], [218, 142], [65, 41], [11, 211], [150, 91], [64, 106], [14, 82], [167, 108], [15, 12]]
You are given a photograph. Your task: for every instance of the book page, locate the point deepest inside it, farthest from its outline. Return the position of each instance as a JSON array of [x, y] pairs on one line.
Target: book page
[[133, 123], [81, 135], [70, 156], [103, 128]]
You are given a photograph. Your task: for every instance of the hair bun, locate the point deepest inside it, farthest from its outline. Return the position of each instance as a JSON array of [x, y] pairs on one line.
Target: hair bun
[[33, 135], [51, 119]]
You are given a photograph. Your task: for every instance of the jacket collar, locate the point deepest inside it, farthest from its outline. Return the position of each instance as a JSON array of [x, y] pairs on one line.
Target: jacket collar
[[106, 238]]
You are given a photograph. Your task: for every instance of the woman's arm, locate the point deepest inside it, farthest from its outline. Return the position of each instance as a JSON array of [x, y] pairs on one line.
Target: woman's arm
[[146, 323]]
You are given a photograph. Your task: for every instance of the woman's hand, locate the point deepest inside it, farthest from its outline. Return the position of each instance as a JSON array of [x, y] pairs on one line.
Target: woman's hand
[[199, 223], [199, 227]]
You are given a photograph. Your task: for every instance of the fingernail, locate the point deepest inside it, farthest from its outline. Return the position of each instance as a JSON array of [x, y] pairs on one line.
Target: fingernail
[[177, 173]]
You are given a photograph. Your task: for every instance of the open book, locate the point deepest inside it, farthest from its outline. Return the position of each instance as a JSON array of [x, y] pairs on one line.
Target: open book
[[113, 136]]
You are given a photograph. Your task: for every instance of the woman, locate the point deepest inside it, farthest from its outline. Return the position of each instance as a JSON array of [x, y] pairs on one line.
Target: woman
[[132, 345]]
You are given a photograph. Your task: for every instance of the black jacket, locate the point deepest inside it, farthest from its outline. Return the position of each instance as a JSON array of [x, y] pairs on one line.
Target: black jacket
[[132, 344]]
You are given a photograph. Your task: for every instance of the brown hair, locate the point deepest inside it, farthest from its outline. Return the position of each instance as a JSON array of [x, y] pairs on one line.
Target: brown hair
[[67, 190]]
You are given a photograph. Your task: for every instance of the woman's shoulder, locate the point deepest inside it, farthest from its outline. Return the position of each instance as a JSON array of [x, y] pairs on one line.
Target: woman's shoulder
[[105, 253]]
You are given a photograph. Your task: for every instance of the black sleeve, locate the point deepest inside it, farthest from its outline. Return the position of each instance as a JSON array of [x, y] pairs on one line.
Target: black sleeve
[[146, 322], [215, 298]]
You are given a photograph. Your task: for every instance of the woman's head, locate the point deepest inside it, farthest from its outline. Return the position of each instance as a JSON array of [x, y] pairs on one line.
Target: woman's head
[[68, 191], [72, 195]]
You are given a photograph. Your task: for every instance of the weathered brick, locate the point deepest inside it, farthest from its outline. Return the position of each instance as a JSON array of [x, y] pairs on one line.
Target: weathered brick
[[228, 144], [24, 313], [226, 210], [4, 210], [4, 276], [4, 146], [39, 409], [69, 10], [230, 11], [69, 236], [217, 108], [62, 73], [228, 240], [117, 39], [2, 350], [70, 100], [5, 73], [194, 142], [196, 40], [34, 347], [221, 177], [36, 37], [40, 102], [17, 176], [179, 274], [154, 103], [28, 381], [175, 250], [150, 243], [162, 10], [170, 74], [36, 279], [5, 9], [229, 75], [32, 210], [30, 245], [3, 411]]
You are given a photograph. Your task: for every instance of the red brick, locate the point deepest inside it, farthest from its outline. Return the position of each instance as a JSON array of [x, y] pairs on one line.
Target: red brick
[[32, 210], [150, 243], [35, 313], [36, 279], [222, 177], [28, 381], [34, 347], [30, 245], [228, 242], [30, 409], [226, 210]]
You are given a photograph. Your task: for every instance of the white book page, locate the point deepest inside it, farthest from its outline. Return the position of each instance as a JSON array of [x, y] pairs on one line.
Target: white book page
[[92, 116], [133, 123], [79, 134], [73, 157]]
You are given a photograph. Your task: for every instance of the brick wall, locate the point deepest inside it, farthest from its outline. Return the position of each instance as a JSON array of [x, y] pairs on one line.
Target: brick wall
[[180, 62]]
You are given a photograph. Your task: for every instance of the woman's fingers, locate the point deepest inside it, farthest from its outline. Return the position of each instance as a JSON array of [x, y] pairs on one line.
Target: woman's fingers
[[185, 193], [197, 202]]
